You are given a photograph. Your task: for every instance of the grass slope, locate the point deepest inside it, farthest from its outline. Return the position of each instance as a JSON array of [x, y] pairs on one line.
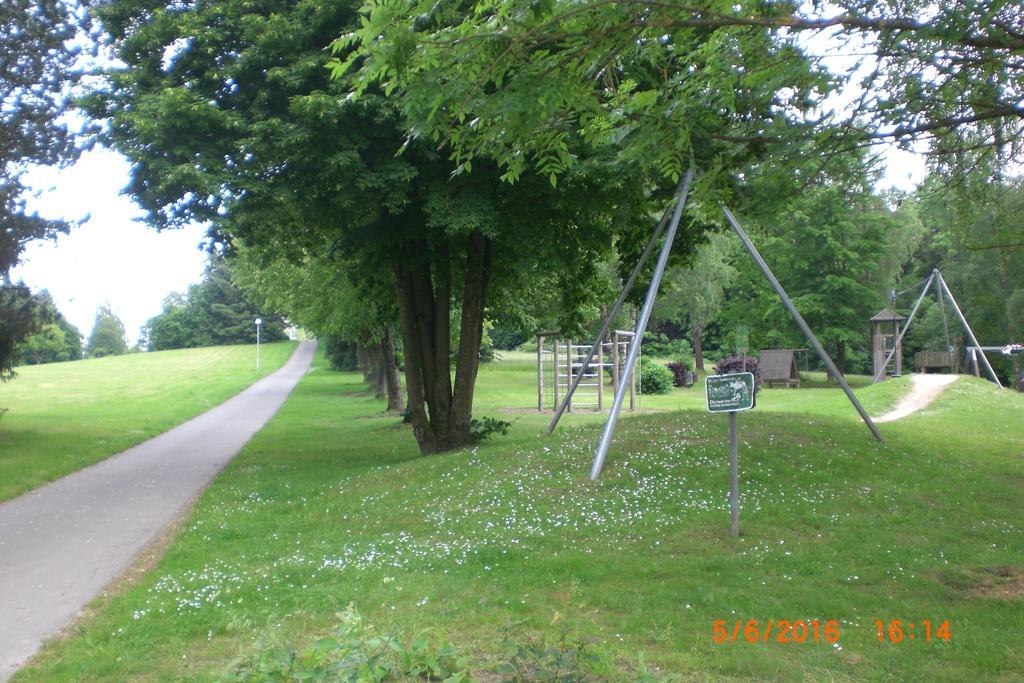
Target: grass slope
[[65, 416], [330, 504]]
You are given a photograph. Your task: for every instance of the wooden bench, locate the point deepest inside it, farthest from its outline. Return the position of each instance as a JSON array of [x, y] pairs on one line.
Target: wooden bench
[[936, 360]]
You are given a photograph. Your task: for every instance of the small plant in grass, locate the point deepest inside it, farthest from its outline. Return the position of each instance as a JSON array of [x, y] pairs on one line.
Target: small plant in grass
[[655, 378], [736, 364], [566, 659], [355, 654], [483, 427], [561, 660]]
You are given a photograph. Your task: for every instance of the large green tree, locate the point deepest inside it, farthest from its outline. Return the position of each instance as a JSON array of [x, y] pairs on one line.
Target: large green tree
[[213, 312], [533, 85], [837, 250], [36, 60], [47, 345], [107, 336], [512, 79], [230, 117], [694, 293], [55, 340]]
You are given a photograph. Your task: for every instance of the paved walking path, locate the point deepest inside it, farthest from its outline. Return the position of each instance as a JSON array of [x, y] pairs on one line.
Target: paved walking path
[[62, 544], [924, 390]]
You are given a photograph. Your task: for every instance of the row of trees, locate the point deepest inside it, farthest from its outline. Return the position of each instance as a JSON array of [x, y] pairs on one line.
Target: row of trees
[[841, 255], [56, 340], [355, 317], [213, 312], [466, 160]]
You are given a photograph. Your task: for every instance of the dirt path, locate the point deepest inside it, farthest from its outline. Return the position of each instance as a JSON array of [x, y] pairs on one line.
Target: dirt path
[[62, 544], [925, 389]]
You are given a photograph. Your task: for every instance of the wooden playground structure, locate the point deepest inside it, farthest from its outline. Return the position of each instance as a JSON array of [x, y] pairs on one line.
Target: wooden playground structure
[[887, 346], [927, 361], [560, 360], [778, 368]]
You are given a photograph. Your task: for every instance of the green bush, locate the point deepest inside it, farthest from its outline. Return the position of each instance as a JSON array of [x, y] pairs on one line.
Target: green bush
[[657, 345], [340, 354], [560, 660], [655, 378], [529, 345], [507, 338]]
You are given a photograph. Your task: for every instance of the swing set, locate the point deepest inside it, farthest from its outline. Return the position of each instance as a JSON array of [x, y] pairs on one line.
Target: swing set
[[934, 358], [668, 226]]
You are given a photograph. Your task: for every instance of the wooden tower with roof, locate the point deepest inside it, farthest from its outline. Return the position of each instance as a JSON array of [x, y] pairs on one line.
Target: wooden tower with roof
[[885, 332]]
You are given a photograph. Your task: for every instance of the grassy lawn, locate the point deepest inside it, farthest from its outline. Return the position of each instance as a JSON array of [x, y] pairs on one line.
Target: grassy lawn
[[509, 543], [65, 416]]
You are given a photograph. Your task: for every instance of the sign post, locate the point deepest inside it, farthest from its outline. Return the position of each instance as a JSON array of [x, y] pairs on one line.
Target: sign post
[[734, 476], [731, 394], [742, 343]]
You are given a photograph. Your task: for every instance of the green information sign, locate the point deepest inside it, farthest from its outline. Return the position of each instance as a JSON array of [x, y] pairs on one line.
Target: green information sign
[[730, 393]]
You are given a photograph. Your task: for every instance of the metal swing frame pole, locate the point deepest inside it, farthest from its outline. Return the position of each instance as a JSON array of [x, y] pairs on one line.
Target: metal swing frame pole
[[906, 326], [970, 332], [638, 333], [801, 323], [682, 190]]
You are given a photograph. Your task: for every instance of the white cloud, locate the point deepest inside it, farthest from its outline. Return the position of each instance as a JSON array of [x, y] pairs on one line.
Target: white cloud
[[111, 257]]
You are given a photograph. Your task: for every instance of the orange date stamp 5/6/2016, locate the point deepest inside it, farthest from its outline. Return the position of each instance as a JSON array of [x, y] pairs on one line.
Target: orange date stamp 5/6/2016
[[771, 631]]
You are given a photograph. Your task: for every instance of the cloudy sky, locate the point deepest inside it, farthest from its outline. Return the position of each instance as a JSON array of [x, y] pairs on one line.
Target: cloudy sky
[[112, 257]]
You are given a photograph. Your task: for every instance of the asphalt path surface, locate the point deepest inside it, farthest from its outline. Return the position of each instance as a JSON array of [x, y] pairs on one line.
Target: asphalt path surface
[[62, 544]]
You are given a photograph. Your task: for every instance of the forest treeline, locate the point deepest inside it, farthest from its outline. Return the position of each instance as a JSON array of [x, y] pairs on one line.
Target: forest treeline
[[841, 254], [212, 312]]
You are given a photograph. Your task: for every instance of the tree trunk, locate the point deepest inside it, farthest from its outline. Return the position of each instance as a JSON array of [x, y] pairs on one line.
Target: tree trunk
[[841, 358], [478, 269], [361, 361], [371, 362], [698, 346], [441, 416], [414, 370], [394, 383], [380, 373]]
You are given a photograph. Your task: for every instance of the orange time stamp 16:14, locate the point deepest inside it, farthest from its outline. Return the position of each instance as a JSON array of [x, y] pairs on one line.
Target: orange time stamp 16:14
[[897, 631]]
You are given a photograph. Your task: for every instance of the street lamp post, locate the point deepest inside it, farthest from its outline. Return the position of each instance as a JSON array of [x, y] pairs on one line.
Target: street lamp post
[[259, 321]]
